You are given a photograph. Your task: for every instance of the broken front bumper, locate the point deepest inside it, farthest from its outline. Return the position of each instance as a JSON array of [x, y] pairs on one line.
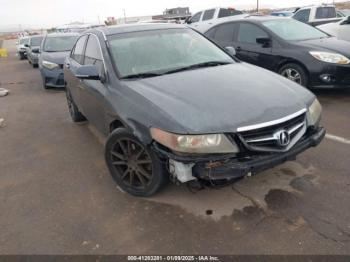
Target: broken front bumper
[[230, 167]]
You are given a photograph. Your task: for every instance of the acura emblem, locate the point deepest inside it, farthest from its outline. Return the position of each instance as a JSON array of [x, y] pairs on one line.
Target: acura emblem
[[283, 138]]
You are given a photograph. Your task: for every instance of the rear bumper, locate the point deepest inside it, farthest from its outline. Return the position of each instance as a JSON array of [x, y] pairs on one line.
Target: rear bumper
[[228, 168]]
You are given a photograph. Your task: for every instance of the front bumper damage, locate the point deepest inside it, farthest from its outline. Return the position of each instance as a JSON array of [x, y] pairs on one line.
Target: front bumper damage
[[231, 167]]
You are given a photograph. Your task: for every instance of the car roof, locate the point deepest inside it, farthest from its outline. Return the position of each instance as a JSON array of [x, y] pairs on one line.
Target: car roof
[[33, 36], [62, 34], [253, 18], [129, 28]]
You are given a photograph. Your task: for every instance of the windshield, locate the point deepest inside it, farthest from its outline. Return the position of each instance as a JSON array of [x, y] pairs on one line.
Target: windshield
[[24, 41], [36, 41], [59, 44], [293, 30], [160, 51], [346, 12]]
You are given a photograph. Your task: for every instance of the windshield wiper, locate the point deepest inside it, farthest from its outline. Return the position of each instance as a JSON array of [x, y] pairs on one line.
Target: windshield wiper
[[200, 65], [141, 75]]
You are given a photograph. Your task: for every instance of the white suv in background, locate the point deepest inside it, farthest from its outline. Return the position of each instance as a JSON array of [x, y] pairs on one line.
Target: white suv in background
[[316, 15], [203, 20], [21, 48]]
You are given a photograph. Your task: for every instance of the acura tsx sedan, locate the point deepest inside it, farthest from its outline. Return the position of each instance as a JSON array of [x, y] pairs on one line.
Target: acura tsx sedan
[[175, 105]]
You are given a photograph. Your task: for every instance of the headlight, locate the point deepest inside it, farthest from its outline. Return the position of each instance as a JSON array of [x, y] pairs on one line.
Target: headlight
[[200, 144], [315, 111], [49, 65], [333, 58]]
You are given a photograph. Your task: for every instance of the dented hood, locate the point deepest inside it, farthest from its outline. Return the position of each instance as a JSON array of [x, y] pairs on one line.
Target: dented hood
[[223, 98]]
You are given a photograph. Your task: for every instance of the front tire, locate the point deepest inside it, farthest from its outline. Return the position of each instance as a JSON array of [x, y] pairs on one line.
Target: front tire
[[74, 112], [134, 167], [294, 72]]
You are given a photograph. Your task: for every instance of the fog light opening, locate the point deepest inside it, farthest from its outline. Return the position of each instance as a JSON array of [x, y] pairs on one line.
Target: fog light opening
[[328, 78]]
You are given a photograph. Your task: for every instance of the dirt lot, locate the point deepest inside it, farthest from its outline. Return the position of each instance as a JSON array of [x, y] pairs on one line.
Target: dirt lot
[[56, 196]]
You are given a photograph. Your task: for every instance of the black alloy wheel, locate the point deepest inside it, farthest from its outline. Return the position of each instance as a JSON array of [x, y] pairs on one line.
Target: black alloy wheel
[[135, 168]]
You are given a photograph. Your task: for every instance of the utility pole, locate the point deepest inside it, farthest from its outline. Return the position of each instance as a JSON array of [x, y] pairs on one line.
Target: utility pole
[[257, 6], [124, 16]]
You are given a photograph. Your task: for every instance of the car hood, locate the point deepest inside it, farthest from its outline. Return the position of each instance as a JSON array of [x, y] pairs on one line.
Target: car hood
[[327, 44], [55, 57], [223, 98]]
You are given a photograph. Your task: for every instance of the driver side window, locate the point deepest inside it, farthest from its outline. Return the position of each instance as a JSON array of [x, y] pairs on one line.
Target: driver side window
[[78, 51], [196, 17], [93, 54], [302, 15]]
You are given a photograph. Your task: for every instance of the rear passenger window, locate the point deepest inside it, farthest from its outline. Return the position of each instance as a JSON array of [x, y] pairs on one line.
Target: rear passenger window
[[325, 12], [248, 33], [93, 54], [225, 12], [209, 14], [78, 52], [225, 33]]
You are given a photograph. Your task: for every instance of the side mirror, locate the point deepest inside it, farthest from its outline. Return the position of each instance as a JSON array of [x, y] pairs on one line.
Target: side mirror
[[88, 72], [264, 41], [36, 50], [230, 50], [346, 21]]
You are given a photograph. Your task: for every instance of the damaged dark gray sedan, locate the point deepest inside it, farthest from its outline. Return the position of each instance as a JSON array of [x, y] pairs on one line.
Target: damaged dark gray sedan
[[175, 105]]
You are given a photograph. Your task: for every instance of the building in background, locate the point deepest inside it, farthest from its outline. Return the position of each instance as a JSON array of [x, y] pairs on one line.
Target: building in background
[[169, 15], [179, 13]]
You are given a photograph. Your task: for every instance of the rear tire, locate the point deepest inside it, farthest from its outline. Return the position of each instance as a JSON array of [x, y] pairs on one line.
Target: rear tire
[[295, 73], [74, 112], [134, 167]]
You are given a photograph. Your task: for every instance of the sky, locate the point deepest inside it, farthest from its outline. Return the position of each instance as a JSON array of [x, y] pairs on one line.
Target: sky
[[49, 13]]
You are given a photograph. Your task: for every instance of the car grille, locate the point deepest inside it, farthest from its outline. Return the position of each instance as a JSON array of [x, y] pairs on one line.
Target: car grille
[[270, 138]]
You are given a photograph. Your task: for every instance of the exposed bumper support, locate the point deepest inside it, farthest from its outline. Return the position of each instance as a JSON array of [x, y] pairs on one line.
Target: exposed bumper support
[[229, 167]]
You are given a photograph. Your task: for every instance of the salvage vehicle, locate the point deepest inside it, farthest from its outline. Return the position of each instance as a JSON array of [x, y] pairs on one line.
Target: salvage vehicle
[[21, 48], [175, 105], [340, 30], [33, 49], [205, 19], [53, 52], [293, 49], [317, 14]]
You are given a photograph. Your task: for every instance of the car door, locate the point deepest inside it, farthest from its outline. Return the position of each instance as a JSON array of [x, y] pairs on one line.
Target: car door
[[72, 63], [93, 92], [249, 50], [194, 21], [207, 20], [223, 34]]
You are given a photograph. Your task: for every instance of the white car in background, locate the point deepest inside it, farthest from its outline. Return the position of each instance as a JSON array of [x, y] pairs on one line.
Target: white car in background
[[21, 48], [205, 19], [340, 29], [316, 15]]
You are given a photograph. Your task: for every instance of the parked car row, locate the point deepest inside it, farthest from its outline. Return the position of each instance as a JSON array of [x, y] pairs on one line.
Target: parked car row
[[194, 105], [47, 52]]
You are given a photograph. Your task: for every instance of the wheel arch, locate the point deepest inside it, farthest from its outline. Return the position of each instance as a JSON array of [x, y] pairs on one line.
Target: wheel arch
[[292, 61]]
